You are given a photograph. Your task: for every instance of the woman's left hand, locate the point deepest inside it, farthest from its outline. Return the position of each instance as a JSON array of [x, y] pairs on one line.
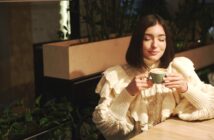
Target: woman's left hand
[[177, 81]]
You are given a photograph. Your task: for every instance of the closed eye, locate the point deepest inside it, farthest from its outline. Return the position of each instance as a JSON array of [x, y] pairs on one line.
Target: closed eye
[[162, 40], [147, 38]]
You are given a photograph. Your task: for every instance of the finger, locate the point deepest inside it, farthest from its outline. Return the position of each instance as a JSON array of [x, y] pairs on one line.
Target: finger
[[171, 83], [173, 78], [141, 79], [144, 75], [174, 75], [177, 84], [143, 85], [173, 86]]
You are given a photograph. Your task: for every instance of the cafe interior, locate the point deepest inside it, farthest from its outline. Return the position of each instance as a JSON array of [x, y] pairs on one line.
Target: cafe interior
[[53, 53]]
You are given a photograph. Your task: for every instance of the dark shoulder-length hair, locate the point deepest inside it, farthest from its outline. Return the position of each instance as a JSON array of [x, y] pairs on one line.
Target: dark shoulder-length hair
[[134, 54]]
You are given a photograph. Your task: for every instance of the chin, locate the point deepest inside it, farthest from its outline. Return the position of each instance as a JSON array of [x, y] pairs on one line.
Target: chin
[[154, 58]]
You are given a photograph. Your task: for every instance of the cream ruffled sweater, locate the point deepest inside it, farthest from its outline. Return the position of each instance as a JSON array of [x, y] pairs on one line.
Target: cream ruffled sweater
[[120, 116]]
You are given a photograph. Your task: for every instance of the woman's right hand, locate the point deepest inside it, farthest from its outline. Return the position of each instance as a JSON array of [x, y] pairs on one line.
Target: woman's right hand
[[139, 83]]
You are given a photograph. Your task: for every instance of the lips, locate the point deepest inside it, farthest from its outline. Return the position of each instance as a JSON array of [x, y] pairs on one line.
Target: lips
[[153, 52]]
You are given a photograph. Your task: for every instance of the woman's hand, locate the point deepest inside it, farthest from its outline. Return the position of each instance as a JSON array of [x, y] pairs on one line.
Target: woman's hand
[[138, 83], [176, 81]]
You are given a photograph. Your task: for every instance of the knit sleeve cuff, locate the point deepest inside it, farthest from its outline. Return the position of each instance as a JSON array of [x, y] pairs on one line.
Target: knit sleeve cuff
[[120, 105], [195, 97]]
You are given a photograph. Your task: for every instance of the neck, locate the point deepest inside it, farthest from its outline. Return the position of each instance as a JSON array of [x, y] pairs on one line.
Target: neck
[[151, 64]]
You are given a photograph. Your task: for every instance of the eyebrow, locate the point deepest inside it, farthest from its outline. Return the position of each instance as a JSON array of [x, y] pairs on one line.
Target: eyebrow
[[160, 35]]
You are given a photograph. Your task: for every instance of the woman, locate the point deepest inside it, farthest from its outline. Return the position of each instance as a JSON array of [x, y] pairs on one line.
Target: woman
[[131, 103]]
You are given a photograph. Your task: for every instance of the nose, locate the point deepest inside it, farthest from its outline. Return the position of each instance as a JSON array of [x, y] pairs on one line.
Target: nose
[[154, 43]]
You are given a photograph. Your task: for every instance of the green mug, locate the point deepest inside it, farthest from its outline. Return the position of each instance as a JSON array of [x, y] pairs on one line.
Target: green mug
[[157, 75]]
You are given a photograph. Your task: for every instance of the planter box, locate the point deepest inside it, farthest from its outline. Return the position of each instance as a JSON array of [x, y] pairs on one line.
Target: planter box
[[201, 57], [70, 60]]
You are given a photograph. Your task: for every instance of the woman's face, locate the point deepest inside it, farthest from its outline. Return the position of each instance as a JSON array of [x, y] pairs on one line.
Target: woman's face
[[154, 42]]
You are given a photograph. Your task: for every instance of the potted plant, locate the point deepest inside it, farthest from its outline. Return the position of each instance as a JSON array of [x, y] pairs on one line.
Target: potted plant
[[18, 121]]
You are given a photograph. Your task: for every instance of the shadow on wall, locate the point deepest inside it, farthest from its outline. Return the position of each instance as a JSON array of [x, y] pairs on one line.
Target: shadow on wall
[[76, 73], [211, 78]]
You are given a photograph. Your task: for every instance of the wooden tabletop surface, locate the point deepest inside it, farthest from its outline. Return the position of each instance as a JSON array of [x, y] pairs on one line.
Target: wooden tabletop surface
[[174, 129]]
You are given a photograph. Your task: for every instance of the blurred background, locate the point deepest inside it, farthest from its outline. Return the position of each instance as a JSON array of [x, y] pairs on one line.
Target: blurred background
[[25, 25]]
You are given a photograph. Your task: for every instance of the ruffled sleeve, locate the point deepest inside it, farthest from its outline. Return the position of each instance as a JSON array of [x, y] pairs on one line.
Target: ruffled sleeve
[[198, 102], [111, 115]]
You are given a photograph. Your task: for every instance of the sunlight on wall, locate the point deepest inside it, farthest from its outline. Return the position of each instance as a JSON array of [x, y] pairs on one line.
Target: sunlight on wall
[[65, 27]]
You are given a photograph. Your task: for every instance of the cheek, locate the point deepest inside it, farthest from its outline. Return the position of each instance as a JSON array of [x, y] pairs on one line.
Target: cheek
[[146, 45], [145, 48], [163, 47]]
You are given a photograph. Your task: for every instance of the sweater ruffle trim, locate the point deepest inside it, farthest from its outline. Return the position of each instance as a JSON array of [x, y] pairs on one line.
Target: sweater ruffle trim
[[104, 118], [117, 79]]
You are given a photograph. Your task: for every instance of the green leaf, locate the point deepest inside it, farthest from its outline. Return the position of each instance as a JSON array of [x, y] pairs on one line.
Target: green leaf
[[43, 121], [28, 117], [37, 101]]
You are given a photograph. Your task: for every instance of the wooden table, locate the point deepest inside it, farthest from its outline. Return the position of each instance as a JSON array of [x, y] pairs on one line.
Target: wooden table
[[174, 129]]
